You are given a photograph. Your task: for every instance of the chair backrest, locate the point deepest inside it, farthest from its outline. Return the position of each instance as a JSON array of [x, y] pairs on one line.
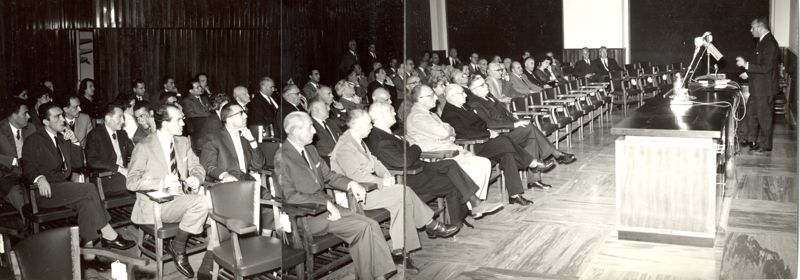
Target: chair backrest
[[549, 93], [51, 254], [630, 69], [239, 200]]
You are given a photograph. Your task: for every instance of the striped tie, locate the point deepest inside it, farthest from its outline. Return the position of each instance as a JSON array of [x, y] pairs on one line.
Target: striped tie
[[173, 163]]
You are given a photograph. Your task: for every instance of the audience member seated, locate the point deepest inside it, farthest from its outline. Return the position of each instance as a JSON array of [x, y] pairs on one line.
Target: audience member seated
[[164, 161], [381, 81], [347, 95], [263, 109], [231, 152], [327, 135], [499, 148], [474, 68], [145, 125], [338, 113], [381, 95], [78, 122], [499, 85], [544, 74], [169, 97], [523, 133], [521, 85], [555, 65], [108, 148], [483, 68], [349, 59], [422, 72], [530, 72], [213, 122], [14, 129], [408, 101], [351, 157], [168, 85], [438, 86], [424, 129], [603, 65], [202, 78], [311, 88], [139, 91], [294, 162], [38, 97], [291, 100], [89, 102], [359, 82], [452, 58], [440, 178], [583, 67], [195, 107], [48, 159]]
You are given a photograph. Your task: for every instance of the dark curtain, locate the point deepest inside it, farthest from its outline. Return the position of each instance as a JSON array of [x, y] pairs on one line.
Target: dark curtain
[[315, 34], [663, 31], [418, 29], [35, 55], [505, 28], [230, 57]]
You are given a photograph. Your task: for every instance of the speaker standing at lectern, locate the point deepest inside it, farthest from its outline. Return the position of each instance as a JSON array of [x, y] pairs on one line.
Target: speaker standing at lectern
[[762, 72]]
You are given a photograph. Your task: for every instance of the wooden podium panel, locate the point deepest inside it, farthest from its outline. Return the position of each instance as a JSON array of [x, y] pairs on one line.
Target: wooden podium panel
[[666, 189]]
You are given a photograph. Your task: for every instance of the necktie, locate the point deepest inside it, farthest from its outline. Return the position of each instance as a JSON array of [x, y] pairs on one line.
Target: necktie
[[605, 64], [63, 162], [363, 145], [18, 143], [173, 163], [325, 124], [587, 62], [303, 154], [114, 136], [72, 125]]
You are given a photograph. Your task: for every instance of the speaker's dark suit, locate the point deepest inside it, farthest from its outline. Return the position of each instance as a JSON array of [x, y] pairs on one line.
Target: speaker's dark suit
[[41, 158], [264, 113], [219, 155], [442, 178], [512, 157], [100, 155], [298, 181], [763, 75]]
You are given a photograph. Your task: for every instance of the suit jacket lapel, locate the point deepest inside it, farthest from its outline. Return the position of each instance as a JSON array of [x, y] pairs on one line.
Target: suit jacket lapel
[[158, 152], [228, 143], [5, 129]]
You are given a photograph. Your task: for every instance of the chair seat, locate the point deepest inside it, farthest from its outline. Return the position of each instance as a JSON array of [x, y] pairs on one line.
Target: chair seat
[[291, 257], [48, 214], [115, 200], [169, 230], [548, 128], [259, 254], [323, 242]]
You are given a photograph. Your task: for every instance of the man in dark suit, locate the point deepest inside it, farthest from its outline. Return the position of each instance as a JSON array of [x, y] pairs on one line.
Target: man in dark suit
[[231, 152], [291, 101], [48, 159], [139, 90], [108, 148], [763, 75], [523, 133], [263, 109], [327, 135], [14, 128], [349, 59], [381, 80], [499, 148], [452, 59], [604, 65], [583, 67], [301, 177], [442, 178], [371, 58], [196, 108]]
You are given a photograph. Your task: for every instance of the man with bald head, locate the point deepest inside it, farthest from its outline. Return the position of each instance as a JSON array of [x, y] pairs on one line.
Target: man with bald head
[[295, 160], [499, 148], [291, 100], [583, 67], [241, 96], [327, 133], [427, 131], [381, 95], [263, 109]]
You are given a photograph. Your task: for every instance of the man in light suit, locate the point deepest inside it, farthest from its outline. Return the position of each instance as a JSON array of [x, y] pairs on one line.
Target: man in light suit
[[164, 161], [499, 85], [763, 75], [231, 152], [521, 86], [78, 122], [14, 128], [109, 148], [301, 177], [352, 158], [311, 88], [327, 135]]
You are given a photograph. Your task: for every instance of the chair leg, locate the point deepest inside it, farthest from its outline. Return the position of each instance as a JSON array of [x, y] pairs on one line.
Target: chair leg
[[558, 139], [591, 121], [299, 271], [580, 129], [215, 271], [159, 258]]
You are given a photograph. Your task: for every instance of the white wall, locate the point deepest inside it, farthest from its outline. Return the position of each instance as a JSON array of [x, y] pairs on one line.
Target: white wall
[[780, 11], [793, 29], [593, 23], [438, 25]]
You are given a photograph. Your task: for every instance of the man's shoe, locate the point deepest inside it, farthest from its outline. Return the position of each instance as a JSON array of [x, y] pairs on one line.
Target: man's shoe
[[119, 243], [440, 230], [485, 208], [540, 185], [521, 200], [181, 262], [566, 158], [398, 260], [545, 167]]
